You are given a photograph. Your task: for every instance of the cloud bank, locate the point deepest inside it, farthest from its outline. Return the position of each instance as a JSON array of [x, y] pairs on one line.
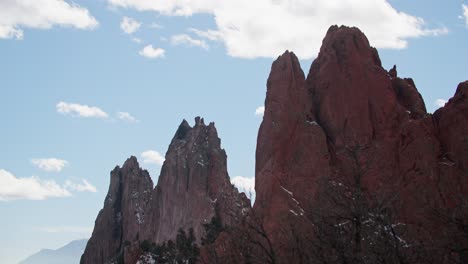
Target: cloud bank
[[41, 14], [265, 28], [34, 188]]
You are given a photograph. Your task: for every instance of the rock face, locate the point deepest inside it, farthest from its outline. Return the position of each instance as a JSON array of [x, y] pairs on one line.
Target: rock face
[[351, 117], [350, 139], [193, 184], [124, 214]]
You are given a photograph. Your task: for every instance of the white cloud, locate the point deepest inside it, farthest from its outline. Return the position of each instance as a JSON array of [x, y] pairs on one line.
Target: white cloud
[[32, 188], [245, 185], [84, 186], [129, 25], [465, 13], [152, 157], [136, 40], [126, 117], [265, 28], [440, 102], [42, 14], [155, 25], [184, 39], [80, 110], [68, 229], [260, 110], [50, 164], [209, 34], [152, 53]]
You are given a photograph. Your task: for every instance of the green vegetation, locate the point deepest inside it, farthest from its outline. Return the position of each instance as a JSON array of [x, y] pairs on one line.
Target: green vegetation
[[183, 251]]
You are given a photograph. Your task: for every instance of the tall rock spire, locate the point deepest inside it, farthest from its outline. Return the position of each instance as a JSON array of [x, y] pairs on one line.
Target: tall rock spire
[[122, 219], [194, 182], [193, 185], [351, 123]]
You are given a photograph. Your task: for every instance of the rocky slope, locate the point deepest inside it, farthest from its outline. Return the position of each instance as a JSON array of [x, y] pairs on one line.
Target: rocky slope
[[193, 184], [353, 124]]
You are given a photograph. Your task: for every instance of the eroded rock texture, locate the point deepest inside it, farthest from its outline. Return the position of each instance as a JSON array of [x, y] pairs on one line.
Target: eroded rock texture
[[193, 184], [353, 124]]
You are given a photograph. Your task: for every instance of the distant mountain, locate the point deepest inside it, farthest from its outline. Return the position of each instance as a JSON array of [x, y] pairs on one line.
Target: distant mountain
[[68, 254]]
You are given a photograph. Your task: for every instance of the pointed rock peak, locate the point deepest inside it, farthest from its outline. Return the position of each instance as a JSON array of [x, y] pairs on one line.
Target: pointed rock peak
[[393, 72], [462, 89], [345, 42], [288, 61], [183, 129], [131, 162], [199, 121]]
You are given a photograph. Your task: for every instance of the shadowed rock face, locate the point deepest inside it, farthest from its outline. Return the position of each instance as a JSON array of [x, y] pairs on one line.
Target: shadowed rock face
[[193, 184], [123, 216], [349, 102]]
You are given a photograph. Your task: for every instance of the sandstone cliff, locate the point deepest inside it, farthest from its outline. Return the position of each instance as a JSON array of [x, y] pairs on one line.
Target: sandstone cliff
[[354, 127], [193, 184]]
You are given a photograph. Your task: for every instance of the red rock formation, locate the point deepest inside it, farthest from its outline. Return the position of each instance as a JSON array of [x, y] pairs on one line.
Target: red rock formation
[[122, 219], [350, 116], [193, 184], [350, 132]]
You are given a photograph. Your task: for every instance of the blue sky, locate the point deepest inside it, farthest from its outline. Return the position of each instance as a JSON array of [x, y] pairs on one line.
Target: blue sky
[[84, 85]]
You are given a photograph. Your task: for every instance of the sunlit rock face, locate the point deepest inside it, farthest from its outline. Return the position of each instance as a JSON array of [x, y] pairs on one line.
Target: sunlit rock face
[[350, 116]]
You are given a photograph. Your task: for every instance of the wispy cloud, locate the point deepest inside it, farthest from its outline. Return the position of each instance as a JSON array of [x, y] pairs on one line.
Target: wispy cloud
[[152, 157], [137, 40], [465, 14], [84, 186], [440, 102], [127, 117], [50, 164], [80, 110], [209, 34], [260, 110], [32, 188], [155, 25], [184, 39], [152, 53], [129, 25], [41, 14]]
